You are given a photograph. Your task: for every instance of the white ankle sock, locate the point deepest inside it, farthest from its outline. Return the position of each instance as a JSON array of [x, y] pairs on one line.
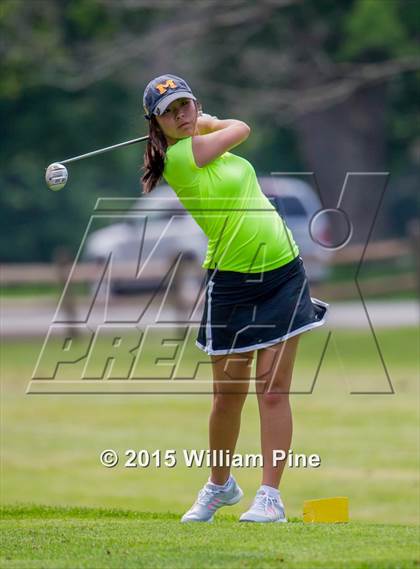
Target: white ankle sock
[[222, 486], [273, 492]]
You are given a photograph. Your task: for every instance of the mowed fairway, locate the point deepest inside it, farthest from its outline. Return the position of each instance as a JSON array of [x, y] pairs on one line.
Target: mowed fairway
[[63, 509], [59, 538]]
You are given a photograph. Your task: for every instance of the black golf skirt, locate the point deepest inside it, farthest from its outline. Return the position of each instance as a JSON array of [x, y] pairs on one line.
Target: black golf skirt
[[249, 311]]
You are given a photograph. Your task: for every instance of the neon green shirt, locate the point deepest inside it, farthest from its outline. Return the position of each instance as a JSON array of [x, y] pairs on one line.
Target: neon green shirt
[[245, 232]]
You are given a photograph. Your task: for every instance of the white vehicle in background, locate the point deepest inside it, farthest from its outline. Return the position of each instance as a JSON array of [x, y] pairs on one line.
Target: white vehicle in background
[[158, 226], [155, 232]]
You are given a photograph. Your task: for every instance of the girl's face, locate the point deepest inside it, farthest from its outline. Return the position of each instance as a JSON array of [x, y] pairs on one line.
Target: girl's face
[[178, 120]]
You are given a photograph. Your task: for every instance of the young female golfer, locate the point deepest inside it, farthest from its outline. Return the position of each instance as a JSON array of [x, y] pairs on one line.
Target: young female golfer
[[257, 295]]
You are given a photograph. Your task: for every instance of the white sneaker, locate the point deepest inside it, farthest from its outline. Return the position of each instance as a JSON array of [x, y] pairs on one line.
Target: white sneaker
[[265, 508], [210, 499]]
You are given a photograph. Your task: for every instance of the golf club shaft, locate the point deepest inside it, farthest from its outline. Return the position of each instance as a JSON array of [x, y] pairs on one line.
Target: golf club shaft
[[102, 150]]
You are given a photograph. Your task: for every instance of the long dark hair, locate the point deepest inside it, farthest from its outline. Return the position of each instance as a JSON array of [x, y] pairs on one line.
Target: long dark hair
[[154, 155]]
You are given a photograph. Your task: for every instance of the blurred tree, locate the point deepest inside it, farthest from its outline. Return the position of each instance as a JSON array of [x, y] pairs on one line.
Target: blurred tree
[[329, 86]]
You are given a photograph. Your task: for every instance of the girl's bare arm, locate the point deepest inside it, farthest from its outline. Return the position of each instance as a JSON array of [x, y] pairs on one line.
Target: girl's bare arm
[[215, 136]]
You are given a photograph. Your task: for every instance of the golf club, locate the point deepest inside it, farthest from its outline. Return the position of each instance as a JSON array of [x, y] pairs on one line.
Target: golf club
[[56, 174]]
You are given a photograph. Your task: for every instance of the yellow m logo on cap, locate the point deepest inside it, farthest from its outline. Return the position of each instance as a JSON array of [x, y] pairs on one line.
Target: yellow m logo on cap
[[163, 87]]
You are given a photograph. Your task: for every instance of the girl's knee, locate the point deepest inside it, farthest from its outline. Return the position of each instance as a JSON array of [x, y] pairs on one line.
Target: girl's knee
[[272, 399], [228, 402]]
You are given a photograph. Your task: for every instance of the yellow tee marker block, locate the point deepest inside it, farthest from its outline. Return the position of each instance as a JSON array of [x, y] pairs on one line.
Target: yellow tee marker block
[[326, 510]]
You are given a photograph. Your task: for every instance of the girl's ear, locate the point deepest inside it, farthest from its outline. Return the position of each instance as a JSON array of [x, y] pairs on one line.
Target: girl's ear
[[199, 108]]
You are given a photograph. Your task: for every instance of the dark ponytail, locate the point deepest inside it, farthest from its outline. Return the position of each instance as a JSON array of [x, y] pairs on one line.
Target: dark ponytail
[[154, 157]]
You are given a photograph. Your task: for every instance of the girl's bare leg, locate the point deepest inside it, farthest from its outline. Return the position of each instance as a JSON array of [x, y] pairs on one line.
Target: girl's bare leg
[[273, 380], [231, 375]]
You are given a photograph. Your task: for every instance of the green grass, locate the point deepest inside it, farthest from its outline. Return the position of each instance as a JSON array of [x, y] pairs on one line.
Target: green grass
[[368, 445], [371, 269], [81, 291], [36, 290], [59, 538]]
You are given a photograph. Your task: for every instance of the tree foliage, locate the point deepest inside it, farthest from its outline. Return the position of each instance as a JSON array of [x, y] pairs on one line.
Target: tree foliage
[[74, 71]]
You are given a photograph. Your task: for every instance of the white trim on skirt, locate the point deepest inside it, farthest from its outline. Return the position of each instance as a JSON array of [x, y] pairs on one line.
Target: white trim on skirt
[[209, 350]]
